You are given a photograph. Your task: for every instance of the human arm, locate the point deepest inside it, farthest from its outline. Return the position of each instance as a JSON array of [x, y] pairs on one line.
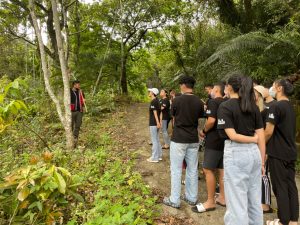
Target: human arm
[[269, 131], [233, 136], [156, 118], [262, 146]]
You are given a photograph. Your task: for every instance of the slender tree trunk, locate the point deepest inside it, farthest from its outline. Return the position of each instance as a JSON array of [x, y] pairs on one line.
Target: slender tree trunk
[[65, 77], [124, 75], [77, 29], [248, 23], [44, 62]]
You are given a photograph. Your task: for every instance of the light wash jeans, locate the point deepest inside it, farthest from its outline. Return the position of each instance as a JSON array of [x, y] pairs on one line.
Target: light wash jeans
[[242, 180], [156, 146], [165, 132], [179, 152]]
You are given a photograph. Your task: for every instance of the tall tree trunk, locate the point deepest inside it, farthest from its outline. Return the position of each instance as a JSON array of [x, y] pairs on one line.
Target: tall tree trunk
[[44, 62], [65, 77], [77, 30], [124, 75], [248, 20]]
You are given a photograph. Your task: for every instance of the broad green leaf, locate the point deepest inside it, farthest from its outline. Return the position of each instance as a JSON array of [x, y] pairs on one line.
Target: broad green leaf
[[40, 206], [61, 182], [64, 171], [23, 194]]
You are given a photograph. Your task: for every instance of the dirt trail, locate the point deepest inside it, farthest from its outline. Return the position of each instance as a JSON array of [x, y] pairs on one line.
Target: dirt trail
[[135, 136]]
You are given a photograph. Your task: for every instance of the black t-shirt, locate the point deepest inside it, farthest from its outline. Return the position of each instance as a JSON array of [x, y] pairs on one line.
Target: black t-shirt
[[269, 104], [154, 106], [186, 110], [165, 103], [282, 144], [265, 112], [213, 140], [230, 115]]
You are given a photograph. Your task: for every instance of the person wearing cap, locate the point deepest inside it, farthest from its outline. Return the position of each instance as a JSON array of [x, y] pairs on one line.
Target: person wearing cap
[[186, 111], [154, 124], [266, 184]]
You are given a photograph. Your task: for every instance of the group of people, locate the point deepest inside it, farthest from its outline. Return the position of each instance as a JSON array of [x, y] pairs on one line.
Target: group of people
[[248, 135]]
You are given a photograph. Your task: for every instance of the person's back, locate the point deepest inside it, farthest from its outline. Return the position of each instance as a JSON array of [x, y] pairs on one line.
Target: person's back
[[187, 109], [283, 115]]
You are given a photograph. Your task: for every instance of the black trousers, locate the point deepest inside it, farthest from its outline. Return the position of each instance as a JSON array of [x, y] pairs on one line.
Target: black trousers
[[282, 175], [76, 123]]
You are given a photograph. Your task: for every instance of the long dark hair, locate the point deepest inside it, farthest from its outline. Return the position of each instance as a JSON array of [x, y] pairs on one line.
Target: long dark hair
[[243, 85]]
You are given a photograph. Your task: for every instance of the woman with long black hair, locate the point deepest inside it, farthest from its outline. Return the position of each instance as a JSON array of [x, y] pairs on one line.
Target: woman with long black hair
[[282, 153], [240, 123]]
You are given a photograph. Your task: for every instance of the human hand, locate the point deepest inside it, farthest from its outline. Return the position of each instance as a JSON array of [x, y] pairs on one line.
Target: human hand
[[201, 134], [158, 126], [263, 171], [255, 138]]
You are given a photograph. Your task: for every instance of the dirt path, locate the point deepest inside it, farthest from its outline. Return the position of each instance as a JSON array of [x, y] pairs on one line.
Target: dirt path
[[135, 135]]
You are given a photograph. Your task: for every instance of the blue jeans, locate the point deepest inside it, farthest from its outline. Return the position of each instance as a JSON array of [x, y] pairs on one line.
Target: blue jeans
[[165, 132], [179, 152], [156, 146], [242, 180]]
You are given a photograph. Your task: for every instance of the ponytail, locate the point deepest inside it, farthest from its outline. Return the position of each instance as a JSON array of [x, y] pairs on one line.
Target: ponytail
[[243, 85], [247, 95]]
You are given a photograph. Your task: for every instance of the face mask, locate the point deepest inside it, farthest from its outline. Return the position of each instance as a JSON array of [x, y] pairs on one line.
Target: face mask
[[272, 93]]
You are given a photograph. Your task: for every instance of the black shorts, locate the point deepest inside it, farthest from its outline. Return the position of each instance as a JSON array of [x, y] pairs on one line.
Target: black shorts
[[213, 159]]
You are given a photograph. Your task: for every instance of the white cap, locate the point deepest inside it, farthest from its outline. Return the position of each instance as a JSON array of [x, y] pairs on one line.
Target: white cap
[[155, 91]]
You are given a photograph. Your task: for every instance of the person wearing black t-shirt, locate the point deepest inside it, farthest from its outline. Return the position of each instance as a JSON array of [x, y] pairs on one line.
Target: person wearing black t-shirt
[[154, 123], [240, 123], [213, 154], [186, 111], [165, 117], [282, 153]]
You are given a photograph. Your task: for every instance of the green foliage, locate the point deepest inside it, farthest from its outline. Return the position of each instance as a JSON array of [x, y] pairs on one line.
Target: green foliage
[[38, 193], [10, 106], [122, 197]]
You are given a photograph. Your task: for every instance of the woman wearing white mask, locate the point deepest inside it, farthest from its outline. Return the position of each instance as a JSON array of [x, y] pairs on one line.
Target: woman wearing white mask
[[280, 136]]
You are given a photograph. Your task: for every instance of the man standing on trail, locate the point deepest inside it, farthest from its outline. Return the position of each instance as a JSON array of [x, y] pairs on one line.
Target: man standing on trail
[[186, 110], [214, 151], [77, 105], [154, 124]]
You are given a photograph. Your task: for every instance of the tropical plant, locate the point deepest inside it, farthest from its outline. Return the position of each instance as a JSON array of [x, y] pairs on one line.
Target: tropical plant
[[38, 193], [10, 104]]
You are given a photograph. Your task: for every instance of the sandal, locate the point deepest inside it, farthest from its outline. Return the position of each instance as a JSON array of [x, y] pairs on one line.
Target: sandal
[[270, 210], [199, 208], [168, 202], [166, 147], [191, 203], [220, 204], [274, 222]]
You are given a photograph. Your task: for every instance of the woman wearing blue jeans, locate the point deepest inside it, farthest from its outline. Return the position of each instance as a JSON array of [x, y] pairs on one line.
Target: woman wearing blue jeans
[[154, 124], [240, 123]]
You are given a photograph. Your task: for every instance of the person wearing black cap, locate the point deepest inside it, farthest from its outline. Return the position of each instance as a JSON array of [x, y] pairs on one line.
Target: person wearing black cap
[[186, 111]]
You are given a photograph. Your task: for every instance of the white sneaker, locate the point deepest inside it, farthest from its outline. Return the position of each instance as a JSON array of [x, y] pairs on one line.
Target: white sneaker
[[160, 159], [152, 161]]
